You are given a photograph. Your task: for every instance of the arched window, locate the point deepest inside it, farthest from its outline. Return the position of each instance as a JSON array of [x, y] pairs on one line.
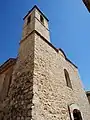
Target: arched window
[[77, 114], [68, 82]]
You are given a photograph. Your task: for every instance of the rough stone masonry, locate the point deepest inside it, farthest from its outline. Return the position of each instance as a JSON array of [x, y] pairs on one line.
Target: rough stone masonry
[[41, 83]]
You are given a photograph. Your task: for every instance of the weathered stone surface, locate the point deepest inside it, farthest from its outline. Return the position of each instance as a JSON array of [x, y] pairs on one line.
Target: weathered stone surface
[[52, 94]]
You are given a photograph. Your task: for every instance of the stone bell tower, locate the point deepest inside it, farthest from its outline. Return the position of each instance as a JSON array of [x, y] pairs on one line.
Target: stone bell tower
[[35, 20], [22, 96]]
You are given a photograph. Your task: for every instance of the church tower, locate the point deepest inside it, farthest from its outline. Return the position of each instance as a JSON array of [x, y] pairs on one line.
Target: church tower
[[35, 20], [45, 84]]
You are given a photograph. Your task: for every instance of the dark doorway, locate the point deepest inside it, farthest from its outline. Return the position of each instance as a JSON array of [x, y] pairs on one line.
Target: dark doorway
[[77, 114]]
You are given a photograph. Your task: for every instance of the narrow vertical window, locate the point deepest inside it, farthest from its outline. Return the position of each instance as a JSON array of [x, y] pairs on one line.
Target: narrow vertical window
[[41, 19], [68, 82], [28, 20], [9, 83]]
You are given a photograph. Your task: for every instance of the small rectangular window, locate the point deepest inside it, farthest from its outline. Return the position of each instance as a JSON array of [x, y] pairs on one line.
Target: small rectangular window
[[41, 19], [28, 20], [68, 81]]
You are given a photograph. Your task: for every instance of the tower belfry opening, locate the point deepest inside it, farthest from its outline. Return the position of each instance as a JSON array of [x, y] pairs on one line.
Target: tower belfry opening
[[28, 20]]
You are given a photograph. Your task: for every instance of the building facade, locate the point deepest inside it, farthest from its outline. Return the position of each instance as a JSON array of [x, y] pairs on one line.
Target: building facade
[[41, 83]]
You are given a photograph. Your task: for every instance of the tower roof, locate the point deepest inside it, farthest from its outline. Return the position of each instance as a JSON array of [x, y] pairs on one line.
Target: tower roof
[[38, 10]]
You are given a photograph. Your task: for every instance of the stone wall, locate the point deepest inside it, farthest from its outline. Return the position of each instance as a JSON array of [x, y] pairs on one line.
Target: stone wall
[[51, 95], [19, 105], [42, 28], [38, 89], [5, 82]]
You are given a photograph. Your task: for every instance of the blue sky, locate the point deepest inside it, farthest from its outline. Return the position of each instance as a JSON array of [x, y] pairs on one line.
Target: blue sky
[[69, 28]]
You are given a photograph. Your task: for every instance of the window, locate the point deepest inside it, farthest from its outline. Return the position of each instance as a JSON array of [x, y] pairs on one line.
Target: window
[[28, 20], [74, 112], [41, 19], [77, 114], [68, 82], [9, 83]]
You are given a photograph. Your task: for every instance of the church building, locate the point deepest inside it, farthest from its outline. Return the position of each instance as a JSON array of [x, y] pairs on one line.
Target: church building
[[41, 83]]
